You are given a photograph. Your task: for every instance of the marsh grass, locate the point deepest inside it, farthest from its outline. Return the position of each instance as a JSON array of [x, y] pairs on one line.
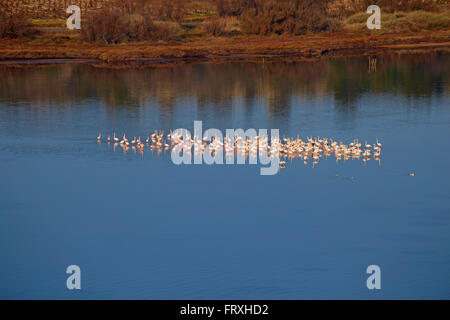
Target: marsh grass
[[116, 21], [344, 8], [48, 23], [401, 22], [221, 26]]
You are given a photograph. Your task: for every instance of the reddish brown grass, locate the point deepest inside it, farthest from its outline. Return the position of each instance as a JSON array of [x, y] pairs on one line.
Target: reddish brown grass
[[308, 46]]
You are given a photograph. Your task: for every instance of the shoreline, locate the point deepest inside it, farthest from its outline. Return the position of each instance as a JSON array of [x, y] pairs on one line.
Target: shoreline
[[212, 49]]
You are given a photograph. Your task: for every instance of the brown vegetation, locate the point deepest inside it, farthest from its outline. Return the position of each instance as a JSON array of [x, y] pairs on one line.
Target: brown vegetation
[[203, 28], [221, 26], [344, 8], [113, 26], [215, 26], [131, 20], [409, 5], [233, 7], [166, 10], [287, 16], [15, 25], [163, 9], [236, 47]]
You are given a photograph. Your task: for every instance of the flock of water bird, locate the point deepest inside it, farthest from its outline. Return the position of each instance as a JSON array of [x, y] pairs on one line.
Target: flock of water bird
[[311, 150]]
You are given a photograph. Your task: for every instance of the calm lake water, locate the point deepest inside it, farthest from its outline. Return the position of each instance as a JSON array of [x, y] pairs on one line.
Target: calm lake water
[[142, 227]]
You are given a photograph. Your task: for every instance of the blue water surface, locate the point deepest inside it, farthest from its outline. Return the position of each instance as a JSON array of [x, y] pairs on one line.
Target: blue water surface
[[141, 227]]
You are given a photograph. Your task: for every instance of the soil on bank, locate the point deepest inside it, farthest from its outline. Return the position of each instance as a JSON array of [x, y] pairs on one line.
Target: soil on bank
[[221, 48]]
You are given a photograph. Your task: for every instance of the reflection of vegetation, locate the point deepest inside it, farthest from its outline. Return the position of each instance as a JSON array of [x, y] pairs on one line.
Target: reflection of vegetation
[[215, 85], [414, 76]]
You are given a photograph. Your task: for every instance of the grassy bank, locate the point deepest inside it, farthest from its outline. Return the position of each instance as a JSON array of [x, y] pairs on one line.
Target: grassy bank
[[396, 22], [213, 48], [174, 30]]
